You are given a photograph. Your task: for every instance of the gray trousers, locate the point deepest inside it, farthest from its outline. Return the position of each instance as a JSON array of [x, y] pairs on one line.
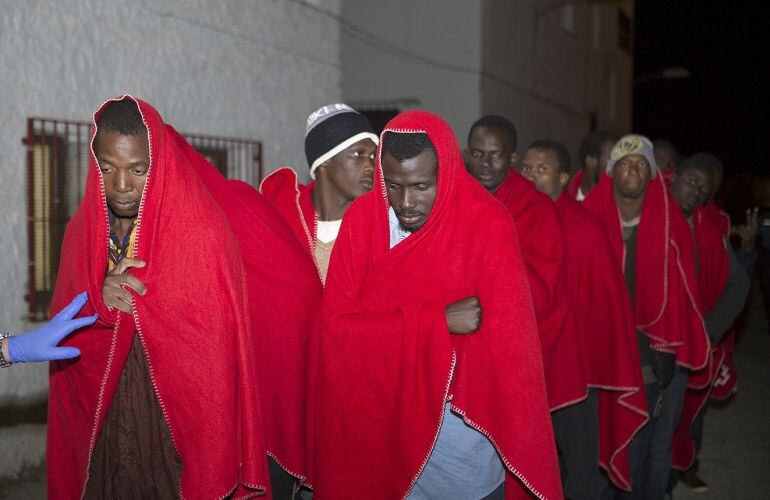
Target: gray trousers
[[576, 429]]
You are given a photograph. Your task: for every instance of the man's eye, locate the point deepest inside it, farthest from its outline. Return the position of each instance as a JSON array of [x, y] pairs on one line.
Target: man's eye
[[476, 154], [497, 155]]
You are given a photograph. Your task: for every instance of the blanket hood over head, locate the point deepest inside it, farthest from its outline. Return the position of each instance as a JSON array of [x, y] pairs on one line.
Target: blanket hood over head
[[387, 361], [192, 322]]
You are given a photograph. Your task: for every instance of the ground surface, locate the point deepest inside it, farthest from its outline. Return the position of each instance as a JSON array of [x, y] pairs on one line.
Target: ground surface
[[735, 459]]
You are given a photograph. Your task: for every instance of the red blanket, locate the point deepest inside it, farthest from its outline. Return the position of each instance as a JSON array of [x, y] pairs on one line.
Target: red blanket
[[542, 247], [192, 323], [726, 374], [293, 201], [605, 322], [574, 184], [281, 316], [388, 363], [667, 307], [713, 268]]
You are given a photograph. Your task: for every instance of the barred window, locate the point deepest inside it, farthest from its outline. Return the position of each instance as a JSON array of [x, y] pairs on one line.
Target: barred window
[[57, 163]]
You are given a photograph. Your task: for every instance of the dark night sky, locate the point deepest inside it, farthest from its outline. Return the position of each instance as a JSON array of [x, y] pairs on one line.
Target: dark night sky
[[724, 107]]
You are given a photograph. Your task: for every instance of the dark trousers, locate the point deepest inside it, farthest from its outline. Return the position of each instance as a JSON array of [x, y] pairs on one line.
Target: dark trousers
[[696, 432], [663, 433], [576, 429], [281, 482], [638, 454]]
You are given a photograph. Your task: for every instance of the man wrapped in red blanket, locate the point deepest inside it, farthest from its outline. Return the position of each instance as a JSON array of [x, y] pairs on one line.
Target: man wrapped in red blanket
[[430, 379], [602, 314], [163, 402]]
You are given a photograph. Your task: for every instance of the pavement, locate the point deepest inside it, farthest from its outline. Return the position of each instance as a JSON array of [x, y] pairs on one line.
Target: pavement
[[735, 458]]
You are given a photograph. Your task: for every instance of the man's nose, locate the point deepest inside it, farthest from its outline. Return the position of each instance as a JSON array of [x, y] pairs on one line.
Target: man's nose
[[407, 200], [121, 184]]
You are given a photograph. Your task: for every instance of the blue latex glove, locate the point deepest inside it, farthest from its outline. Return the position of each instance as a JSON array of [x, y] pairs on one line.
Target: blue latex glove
[[40, 344]]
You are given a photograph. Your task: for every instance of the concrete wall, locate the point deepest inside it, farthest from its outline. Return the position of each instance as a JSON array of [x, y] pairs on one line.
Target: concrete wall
[[463, 59], [547, 75], [236, 68], [427, 50]]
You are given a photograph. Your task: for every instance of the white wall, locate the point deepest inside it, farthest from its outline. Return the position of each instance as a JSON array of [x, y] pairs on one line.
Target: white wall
[[548, 80], [432, 53], [244, 68]]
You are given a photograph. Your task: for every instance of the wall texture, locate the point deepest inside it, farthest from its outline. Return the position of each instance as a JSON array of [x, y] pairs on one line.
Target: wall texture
[[549, 75], [427, 53], [240, 68], [510, 57]]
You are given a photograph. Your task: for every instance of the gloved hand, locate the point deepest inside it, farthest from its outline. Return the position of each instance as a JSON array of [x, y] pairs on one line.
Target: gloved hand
[[40, 344], [664, 366]]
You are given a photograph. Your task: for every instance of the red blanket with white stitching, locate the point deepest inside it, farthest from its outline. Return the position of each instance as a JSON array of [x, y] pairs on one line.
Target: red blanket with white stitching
[[604, 319], [667, 306], [193, 324], [542, 247], [387, 360]]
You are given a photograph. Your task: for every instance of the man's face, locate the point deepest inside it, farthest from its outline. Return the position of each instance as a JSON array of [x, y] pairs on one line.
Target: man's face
[[664, 159], [351, 171], [489, 157], [631, 175], [541, 166], [597, 166], [124, 161], [692, 188], [604, 158], [411, 187]]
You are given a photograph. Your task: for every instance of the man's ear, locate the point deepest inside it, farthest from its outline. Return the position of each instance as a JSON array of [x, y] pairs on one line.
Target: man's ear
[[564, 179], [466, 157], [514, 159], [321, 170]]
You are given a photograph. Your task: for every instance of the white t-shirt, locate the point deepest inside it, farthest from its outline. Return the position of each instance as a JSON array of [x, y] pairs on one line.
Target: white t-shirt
[[328, 230]]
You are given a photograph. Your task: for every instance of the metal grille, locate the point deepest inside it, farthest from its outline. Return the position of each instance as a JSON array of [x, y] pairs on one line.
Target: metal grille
[[57, 164]]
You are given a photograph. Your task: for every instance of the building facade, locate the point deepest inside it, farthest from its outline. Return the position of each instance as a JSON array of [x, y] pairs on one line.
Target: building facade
[[557, 69]]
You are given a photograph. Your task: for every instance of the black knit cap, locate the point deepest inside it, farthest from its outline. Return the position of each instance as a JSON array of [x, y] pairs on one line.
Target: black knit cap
[[331, 129]]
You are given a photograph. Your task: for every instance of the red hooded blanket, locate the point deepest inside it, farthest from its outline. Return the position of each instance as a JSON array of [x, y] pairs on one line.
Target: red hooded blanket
[[605, 323], [542, 247], [293, 201], [388, 362], [284, 301], [667, 307], [713, 268], [192, 323]]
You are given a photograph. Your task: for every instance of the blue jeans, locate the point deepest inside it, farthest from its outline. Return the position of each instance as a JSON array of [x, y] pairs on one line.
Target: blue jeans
[[663, 432]]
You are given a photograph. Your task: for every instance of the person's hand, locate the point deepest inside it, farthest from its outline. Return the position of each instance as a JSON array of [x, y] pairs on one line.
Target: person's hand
[[464, 316], [114, 294], [748, 232], [41, 343]]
